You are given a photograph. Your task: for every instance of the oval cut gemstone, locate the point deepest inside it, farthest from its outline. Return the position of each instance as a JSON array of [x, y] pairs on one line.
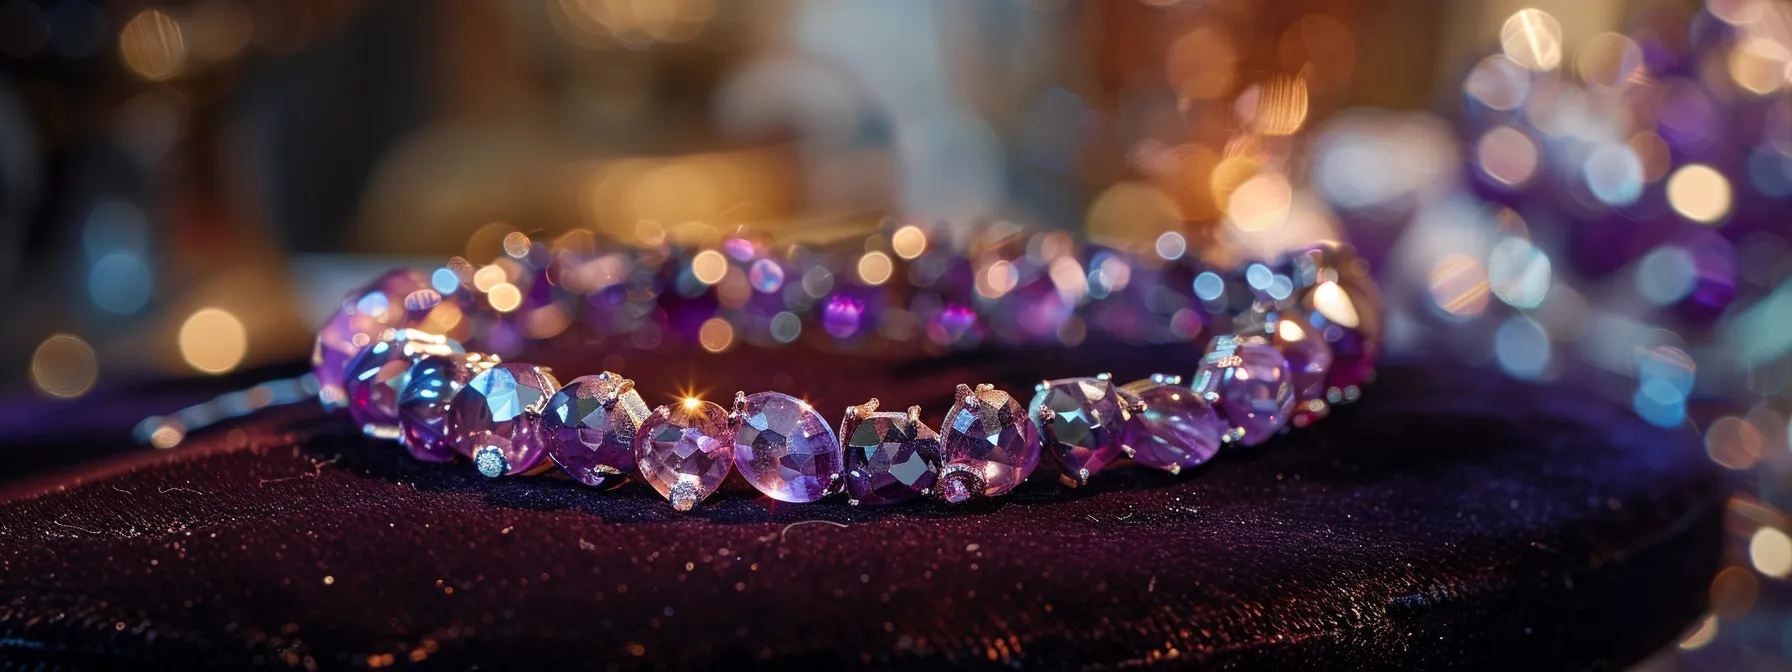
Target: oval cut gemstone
[[423, 406], [1309, 360], [685, 451], [378, 374], [1176, 430], [784, 448], [589, 427], [1247, 379], [889, 457], [987, 434], [365, 314], [1079, 421], [494, 419], [1339, 300]]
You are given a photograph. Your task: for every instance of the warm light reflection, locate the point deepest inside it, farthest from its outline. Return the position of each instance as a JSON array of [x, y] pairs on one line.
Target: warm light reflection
[[1532, 38], [213, 341], [1699, 193], [151, 45], [1609, 60], [1758, 65], [516, 244], [1507, 155], [1733, 442], [909, 242], [709, 266], [64, 367], [875, 268], [1280, 106], [488, 277], [1459, 285], [997, 279], [1770, 551], [1332, 302], [1701, 635], [716, 334], [505, 297], [1261, 203]]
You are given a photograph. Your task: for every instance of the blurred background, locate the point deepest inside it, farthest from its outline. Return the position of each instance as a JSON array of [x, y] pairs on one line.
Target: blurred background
[[1590, 191]]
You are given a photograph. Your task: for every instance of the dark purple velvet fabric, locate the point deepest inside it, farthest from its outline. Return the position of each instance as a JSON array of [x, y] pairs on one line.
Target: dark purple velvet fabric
[[1450, 520]]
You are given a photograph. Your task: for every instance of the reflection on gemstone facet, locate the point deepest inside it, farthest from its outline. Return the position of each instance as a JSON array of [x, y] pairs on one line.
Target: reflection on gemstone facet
[[784, 448], [685, 451], [377, 376], [1175, 429], [988, 435], [1247, 379], [500, 408], [423, 407], [589, 426], [1079, 420], [889, 457]]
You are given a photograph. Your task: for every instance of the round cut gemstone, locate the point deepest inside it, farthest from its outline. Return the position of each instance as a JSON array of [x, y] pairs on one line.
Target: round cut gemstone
[[784, 448], [378, 374], [1247, 379], [589, 427], [1175, 430], [1079, 420], [364, 315], [685, 451], [890, 457], [423, 406], [988, 435], [1339, 300], [499, 409]]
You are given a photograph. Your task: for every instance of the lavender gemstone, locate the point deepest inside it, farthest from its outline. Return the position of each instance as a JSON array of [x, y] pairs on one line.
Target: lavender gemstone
[[1083, 434], [1177, 430], [499, 410], [685, 451], [890, 458], [364, 315], [1249, 382], [378, 374], [423, 406], [987, 432], [1340, 302], [1309, 360], [785, 449], [589, 427]]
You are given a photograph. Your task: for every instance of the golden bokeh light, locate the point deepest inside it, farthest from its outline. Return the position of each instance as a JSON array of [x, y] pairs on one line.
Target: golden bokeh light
[[152, 46], [709, 266], [1201, 64], [64, 367], [1770, 551], [1609, 60], [997, 279], [488, 277], [1532, 38], [1738, 12], [1701, 635], [1281, 106], [1734, 591], [1699, 193], [1261, 203], [1653, 153], [1332, 302], [505, 297], [875, 268], [1733, 442], [909, 242], [212, 340], [517, 244], [716, 334], [1759, 65]]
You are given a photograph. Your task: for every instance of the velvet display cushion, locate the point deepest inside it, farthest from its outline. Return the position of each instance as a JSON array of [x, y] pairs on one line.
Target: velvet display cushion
[[1451, 519]]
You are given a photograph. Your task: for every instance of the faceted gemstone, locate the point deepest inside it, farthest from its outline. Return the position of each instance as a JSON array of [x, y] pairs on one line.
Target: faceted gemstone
[[1338, 298], [589, 427], [987, 435], [1309, 359], [1177, 428], [499, 410], [784, 448], [1248, 380], [685, 451], [1079, 421], [423, 406], [890, 457], [378, 374], [364, 315]]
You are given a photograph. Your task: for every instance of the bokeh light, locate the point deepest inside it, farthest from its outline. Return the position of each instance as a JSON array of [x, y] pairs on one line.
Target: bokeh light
[[1522, 348], [1770, 551], [1519, 273], [1459, 285], [1609, 60], [63, 367], [1507, 155], [1699, 193], [212, 340], [152, 46], [908, 242], [709, 266], [875, 268], [505, 297], [716, 334], [1532, 38]]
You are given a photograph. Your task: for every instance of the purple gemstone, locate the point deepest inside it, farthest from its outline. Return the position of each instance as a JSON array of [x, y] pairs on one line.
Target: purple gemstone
[[378, 374], [589, 427], [685, 451], [1339, 300], [1248, 381], [1083, 429], [365, 314], [784, 448], [423, 406], [1177, 430], [494, 418], [890, 457], [988, 435], [1309, 359]]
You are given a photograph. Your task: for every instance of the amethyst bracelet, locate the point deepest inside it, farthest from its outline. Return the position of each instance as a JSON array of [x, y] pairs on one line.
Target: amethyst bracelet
[[1307, 341]]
